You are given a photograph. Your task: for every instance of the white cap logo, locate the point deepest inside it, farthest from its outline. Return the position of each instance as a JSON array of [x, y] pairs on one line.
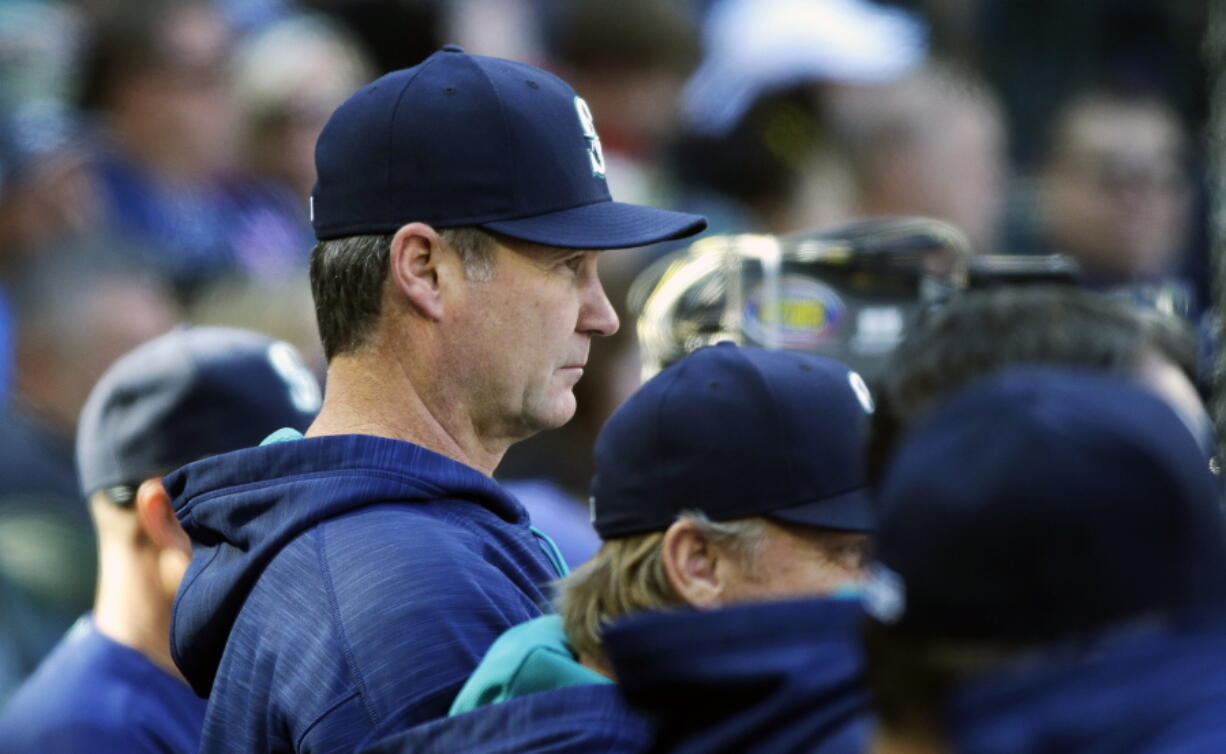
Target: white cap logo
[[303, 388], [863, 394], [885, 595], [588, 123]]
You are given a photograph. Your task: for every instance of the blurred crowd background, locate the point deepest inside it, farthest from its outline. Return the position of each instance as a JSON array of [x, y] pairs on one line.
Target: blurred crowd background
[[156, 159]]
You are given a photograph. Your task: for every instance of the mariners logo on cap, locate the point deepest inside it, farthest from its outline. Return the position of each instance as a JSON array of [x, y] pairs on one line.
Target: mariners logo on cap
[[303, 389], [588, 123], [885, 596]]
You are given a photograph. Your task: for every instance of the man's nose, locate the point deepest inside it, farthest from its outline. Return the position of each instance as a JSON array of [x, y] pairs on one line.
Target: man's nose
[[597, 316]]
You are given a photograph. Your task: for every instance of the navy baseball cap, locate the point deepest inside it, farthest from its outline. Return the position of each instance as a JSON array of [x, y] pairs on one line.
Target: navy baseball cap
[[464, 139], [736, 432], [191, 393], [1042, 503]]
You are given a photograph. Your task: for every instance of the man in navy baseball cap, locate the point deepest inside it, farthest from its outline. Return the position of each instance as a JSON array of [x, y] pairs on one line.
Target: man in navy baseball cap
[[111, 685], [1050, 560], [737, 472], [348, 581]]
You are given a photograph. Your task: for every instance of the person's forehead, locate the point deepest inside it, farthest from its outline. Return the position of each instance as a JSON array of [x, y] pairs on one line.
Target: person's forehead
[[814, 535], [535, 250], [1105, 128]]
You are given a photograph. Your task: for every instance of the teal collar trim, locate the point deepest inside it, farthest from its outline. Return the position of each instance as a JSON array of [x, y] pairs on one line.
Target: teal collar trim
[[550, 548], [285, 434]]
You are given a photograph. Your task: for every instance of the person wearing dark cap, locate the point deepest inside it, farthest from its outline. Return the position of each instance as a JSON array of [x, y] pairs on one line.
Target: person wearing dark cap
[[460, 208], [111, 685], [733, 476], [1048, 574]]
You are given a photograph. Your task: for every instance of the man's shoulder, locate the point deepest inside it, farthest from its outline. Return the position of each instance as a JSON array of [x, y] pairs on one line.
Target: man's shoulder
[[444, 524], [423, 545], [415, 557], [99, 696]]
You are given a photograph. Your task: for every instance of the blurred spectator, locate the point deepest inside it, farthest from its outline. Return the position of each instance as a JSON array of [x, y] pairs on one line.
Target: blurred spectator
[[280, 307], [775, 171], [64, 341], [39, 40], [289, 78], [630, 60], [111, 684], [1113, 188], [45, 192], [755, 154], [157, 76], [498, 28], [45, 197], [754, 47], [1039, 53], [930, 144], [980, 333]]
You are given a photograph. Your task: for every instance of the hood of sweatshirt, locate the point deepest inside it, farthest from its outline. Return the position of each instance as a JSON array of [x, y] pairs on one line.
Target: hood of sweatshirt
[[240, 509], [781, 676]]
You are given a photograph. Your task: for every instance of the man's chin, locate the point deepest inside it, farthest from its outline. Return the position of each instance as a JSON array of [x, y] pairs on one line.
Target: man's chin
[[554, 414]]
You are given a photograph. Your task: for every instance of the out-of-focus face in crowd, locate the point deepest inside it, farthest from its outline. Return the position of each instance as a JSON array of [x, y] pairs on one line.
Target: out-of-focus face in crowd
[[930, 144], [1114, 192], [173, 104], [288, 80]]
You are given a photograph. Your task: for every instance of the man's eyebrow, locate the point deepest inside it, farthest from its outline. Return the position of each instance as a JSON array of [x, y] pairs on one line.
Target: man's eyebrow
[[557, 254]]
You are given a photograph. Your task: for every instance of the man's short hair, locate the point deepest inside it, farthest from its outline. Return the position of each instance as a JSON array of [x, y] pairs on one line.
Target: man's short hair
[[347, 277], [980, 333], [627, 576]]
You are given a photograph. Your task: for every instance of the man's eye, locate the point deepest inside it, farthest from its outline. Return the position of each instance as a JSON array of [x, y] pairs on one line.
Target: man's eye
[[574, 263]]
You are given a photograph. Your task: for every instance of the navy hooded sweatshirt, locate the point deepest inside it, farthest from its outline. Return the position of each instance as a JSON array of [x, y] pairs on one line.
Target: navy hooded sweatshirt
[[570, 720], [773, 677], [1161, 693], [342, 586]]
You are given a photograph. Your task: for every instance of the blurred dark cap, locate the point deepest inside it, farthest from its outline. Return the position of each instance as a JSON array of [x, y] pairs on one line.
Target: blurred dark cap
[[1043, 503], [191, 393]]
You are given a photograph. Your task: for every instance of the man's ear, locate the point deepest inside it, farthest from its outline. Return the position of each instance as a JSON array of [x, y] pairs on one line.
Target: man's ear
[[418, 266], [692, 565], [157, 518]]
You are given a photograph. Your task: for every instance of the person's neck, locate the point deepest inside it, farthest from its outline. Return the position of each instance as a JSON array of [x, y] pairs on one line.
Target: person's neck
[[131, 607], [370, 395]]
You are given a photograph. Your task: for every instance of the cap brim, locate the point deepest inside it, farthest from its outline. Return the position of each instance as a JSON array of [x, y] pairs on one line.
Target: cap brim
[[602, 225], [850, 511]]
